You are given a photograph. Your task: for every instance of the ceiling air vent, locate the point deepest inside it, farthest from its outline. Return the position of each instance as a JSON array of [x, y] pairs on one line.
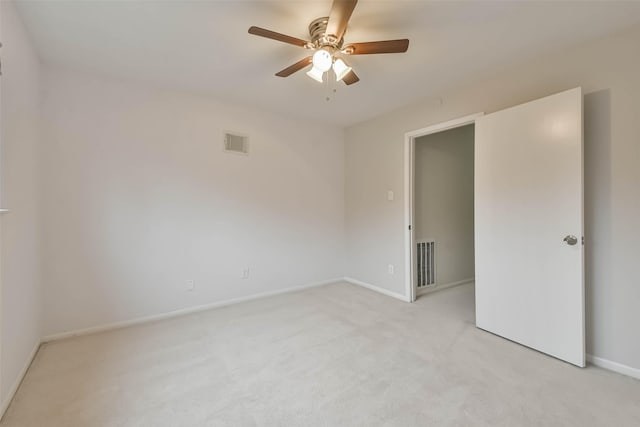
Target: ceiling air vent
[[234, 143]]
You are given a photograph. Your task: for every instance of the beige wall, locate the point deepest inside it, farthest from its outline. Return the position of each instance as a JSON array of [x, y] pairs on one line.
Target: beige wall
[[608, 71], [20, 269], [141, 199], [444, 200]]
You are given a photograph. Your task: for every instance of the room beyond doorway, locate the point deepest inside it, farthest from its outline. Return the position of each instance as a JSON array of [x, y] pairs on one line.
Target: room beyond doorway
[[439, 164], [443, 208]]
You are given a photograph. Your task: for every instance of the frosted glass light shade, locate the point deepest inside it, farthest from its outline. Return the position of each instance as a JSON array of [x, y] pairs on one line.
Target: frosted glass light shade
[[315, 74], [322, 60], [341, 69]]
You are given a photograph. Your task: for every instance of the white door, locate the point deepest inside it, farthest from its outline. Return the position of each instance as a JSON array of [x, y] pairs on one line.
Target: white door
[[529, 225]]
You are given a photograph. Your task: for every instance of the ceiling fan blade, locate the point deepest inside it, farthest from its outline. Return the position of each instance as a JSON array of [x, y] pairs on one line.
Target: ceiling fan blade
[[368, 48], [295, 67], [350, 78], [257, 31], [341, 11]]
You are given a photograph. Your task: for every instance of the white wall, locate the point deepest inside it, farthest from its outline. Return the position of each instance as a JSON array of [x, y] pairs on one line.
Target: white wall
[[608, 71], [141, 198], [444, 200], [20, 271]]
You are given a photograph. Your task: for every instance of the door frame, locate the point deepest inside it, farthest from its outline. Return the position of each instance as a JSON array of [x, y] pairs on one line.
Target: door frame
[[409, 192]]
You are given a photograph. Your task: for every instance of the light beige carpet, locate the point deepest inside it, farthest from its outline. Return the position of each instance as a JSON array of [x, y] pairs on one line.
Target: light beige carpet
[[336, 355]]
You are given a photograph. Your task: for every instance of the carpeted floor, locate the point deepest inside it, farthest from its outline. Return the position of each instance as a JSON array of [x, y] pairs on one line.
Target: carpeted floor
[[336, 355]]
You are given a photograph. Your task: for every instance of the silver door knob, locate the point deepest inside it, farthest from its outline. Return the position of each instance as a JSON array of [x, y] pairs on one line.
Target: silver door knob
[[571, 240]]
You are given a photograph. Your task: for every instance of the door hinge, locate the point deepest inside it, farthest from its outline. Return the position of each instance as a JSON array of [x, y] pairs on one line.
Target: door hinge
[[583, 240], [409, 228]]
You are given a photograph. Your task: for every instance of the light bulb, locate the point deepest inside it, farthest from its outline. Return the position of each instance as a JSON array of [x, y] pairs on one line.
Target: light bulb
[[315, 74], [341, 69], [322, 60]]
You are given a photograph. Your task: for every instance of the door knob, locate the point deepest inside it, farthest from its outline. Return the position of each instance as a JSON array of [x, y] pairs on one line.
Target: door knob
[[571, 240]]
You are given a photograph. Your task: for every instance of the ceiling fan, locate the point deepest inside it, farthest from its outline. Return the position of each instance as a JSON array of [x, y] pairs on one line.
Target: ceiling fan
[[328, 45]]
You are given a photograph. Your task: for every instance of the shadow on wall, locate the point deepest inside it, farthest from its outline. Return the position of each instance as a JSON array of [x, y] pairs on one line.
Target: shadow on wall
[[597, 208]]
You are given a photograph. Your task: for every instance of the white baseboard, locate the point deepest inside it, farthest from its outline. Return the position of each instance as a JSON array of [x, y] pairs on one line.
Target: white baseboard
[[613, 366], [429, 289], [4, 405], [376, 289], [181, 312]]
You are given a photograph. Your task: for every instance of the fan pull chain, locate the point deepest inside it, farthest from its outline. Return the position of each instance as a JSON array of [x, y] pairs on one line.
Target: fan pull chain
[[331, 85]]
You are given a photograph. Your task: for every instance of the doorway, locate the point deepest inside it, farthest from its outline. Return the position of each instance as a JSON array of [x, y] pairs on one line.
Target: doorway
[[439, 206], [443, 209], [528, 222]]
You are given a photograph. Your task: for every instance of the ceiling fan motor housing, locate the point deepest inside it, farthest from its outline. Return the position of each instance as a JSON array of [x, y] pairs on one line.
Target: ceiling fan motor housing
[[319, 39]]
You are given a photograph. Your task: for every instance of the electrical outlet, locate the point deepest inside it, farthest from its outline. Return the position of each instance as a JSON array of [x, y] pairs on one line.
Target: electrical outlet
[[390, 268], [245, 273], [191, 285], [390, 195]]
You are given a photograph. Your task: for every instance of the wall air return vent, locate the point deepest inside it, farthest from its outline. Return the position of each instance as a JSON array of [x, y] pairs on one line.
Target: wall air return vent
[[236, 143], [426, 263]]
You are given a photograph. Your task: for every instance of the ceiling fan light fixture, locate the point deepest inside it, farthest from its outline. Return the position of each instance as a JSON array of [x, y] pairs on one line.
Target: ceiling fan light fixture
[[315, 74], [322, 60], [327, 43], [341, 69]]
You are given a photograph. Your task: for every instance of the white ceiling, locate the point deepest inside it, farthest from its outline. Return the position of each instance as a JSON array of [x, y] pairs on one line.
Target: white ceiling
[[204, 46]]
